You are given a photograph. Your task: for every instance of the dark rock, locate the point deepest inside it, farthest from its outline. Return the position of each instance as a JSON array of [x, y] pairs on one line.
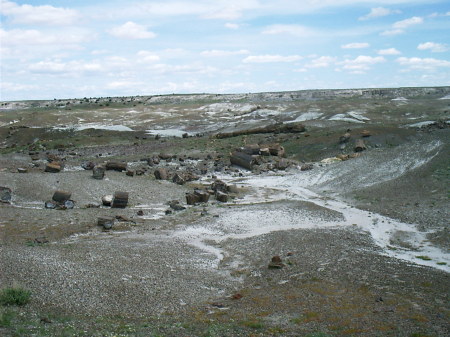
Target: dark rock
[[243, 160], [344, 138], [282, 164], [140, 212], [237, 296], [164, 156], [251, 149], [365, 133], [359, 145], [130, 173], [178, 179], [50, 204], [176, 206], [185, 135], [203, 195], [192, 199]]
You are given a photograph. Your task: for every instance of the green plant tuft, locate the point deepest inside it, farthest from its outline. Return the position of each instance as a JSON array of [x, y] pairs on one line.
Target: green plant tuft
[[14, 296]]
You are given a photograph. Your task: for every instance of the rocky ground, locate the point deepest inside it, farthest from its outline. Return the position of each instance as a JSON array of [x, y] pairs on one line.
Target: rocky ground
[[265, 216]]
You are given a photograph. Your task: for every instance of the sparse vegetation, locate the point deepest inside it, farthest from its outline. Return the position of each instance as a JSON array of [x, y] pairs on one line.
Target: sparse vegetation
[[14, 296]]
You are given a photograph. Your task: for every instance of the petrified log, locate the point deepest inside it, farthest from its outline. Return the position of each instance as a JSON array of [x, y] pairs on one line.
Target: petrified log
[[243, 160], [274, 128], [98, 172], [120, 200], [203, 195], [192, 198], [116, 166], [53, 167], [222, 197], [161, 174], [359, 145]]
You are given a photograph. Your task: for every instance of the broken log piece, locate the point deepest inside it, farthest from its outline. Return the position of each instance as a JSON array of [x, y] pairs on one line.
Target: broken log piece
[[251, 149], [275, 149], [359, 145], [282, 164], [106, 221], [61, 196], [221, 196], [130, 173], [53, 167], [178, 179], [365, 133], [107, 200], [116, 166], [120, 200], [98, 172], [203, 195], [243, 160], [344, 138]]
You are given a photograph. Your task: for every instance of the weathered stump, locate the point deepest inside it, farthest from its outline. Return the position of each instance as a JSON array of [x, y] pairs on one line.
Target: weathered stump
[[120, 200]]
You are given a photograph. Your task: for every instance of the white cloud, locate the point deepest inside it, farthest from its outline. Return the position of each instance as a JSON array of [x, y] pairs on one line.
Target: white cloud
[[355, 45], [400, 26], [389, 51], [131, 31], [403, 24], [22, 37], [434, 47], [271, 58], [58, 67], [220, 53], [296, 30], [379, 12], [147, 57], [361, 63], [230, 25], [41, 15], [321, 62], [423, 63]]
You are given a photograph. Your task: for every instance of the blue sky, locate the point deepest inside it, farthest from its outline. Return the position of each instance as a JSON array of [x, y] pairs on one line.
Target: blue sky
[[67, 49]]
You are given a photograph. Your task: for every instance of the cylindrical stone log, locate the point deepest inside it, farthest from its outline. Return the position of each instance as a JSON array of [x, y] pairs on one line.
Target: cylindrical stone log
[[120, 200], [61, 196], [107, 200], [53, 167], [98, 172], [242, 159], [116, 166], [359, 145]]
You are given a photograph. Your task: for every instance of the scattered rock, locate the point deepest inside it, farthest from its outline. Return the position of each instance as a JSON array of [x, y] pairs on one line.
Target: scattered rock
[[237, 296], [140, 212], [22, 170], [61, 196], [365, 133], [192, 198], [178, 179], [344, 138], [306, 167], [282, 164], [130, 173], [276, 263], [221, 196], [107, 200], [176, 206], [243, 160], [202, 195], [88, 165]]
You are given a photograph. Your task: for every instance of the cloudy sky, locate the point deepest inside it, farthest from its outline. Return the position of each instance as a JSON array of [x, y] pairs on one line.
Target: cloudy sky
[[86, 48]]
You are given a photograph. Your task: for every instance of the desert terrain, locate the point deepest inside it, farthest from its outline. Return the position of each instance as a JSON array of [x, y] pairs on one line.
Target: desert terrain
[[305, 213]]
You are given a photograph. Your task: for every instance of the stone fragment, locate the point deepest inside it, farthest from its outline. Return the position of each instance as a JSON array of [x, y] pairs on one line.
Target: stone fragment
[[178, 179], [203, 195], [22, 170], [282, 164], [307, 167], [87, 165], [130, 173], [359, 145], [344, 138], [365, 133], [192, 199], [176, 206], [243, 160]]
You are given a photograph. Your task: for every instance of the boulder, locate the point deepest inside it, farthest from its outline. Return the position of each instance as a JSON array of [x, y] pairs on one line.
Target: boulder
[[192, 198], [282, 164], [221, 196], [243, 160], [61, 196], [203, 195], [306, 167]]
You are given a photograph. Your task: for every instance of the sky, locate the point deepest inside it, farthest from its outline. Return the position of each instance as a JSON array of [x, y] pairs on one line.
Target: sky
[[93, 48]]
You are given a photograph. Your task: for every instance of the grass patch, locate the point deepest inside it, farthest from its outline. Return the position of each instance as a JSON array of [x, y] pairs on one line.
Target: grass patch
[[14, 296], [253, 324], [6, 318], [424, 257], [441, 263]]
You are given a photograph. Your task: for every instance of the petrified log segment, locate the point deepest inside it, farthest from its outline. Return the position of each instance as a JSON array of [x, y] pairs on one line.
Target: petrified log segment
[[275, 128], [98, 172], [120, 200], [116, 166], [243, 160], [61, 196], [359, 145]]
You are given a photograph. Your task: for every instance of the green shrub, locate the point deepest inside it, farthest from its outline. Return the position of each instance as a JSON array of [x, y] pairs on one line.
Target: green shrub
[[14, 296]]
